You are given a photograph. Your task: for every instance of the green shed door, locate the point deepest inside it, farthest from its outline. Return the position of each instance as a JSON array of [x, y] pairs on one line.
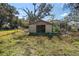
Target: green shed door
[[40, 28]]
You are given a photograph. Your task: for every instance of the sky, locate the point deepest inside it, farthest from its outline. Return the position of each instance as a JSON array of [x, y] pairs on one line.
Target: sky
[[58, 11]]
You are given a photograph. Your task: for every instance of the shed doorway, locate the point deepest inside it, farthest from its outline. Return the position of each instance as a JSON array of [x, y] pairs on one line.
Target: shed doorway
[[40, 28]]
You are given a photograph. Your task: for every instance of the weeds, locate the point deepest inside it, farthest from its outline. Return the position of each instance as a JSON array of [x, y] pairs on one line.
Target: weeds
[[20, 44]]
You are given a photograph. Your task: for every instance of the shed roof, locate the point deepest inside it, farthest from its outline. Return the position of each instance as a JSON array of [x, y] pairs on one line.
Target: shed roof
[[37, 21]]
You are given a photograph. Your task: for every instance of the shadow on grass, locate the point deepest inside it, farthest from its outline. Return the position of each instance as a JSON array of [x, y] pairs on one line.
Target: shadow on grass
[[49, 35], [59, 36]]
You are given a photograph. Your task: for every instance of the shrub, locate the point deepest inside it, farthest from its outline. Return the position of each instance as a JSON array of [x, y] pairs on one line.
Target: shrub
[[56, 29], [73, 29]]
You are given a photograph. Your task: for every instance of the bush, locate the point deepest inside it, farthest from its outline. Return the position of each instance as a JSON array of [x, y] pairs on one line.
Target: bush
[[56, 29], [5, 27], [73, 29]]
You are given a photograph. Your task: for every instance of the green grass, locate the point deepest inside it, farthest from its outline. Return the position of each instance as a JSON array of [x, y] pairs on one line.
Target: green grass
[[18, 42]]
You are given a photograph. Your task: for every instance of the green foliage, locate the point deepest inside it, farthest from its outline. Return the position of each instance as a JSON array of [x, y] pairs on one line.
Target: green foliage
[[56, 29], [23, 23], [7, 14], [74, 11], [73, 28]]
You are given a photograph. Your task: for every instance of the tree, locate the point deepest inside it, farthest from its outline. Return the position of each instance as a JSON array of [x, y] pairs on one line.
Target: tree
[[7, 13], [39, 12], [74, 11]]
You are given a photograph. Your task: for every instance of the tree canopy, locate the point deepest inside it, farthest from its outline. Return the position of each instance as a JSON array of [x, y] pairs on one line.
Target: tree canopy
[[40, 11], [74, 11], [7, 13]]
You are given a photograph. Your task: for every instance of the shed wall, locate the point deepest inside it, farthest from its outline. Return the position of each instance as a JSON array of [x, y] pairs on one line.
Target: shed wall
[[48, 28], [32, 28]]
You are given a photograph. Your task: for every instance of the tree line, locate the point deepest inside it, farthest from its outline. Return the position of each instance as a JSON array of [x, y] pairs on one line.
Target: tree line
[[9, 20]]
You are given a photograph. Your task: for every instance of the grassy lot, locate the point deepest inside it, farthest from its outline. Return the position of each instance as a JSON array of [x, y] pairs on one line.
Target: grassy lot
[[18, 42]]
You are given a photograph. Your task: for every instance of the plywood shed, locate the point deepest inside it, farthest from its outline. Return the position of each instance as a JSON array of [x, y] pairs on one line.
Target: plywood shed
[[40, 26]]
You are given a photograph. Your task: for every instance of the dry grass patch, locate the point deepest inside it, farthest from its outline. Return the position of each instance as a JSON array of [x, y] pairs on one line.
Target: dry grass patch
[[19, 43]]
